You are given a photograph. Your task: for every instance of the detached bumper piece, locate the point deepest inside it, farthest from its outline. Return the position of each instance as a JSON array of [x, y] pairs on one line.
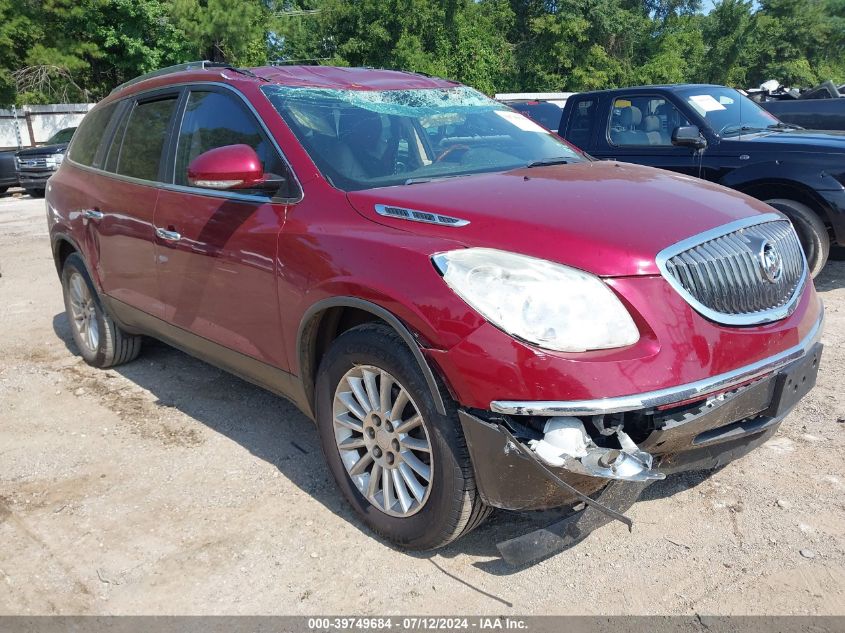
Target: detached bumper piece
[[534, 463], [567, 532]]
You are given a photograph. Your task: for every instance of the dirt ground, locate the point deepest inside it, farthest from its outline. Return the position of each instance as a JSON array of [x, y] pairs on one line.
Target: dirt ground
[[169, 486]]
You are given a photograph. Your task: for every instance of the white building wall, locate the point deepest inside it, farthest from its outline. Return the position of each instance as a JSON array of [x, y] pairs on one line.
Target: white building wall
[[36, 123]]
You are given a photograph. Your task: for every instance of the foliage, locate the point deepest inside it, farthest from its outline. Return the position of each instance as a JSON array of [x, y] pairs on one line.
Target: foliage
[[80, 49], [224, 30], [91, 45]]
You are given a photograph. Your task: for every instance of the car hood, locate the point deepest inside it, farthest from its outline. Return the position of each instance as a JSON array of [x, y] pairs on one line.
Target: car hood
[[608, 218], [59, 148], [802, 140]]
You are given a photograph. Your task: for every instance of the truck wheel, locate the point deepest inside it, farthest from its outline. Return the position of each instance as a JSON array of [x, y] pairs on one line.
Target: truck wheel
[[99, 339], [35, 193], [403, 467], [811, 231]]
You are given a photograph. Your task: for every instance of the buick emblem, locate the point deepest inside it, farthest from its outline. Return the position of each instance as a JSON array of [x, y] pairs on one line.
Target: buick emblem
[[770, 262]]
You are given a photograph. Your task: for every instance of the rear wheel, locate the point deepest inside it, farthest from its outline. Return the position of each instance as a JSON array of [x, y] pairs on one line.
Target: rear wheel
[[811, 231], [99, 339], [403, 467]]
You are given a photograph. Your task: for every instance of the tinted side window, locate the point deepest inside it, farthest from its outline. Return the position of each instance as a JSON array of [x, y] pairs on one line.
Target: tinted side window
[[113, 152], [214, 119], [83, 149], [582, 122], [144, 139]]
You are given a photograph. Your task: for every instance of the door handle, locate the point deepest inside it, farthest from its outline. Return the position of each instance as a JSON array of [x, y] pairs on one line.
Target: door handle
[[92, 214], [170, 236]]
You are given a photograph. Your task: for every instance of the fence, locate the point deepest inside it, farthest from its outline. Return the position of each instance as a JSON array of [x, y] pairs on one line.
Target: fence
[[29, 126]]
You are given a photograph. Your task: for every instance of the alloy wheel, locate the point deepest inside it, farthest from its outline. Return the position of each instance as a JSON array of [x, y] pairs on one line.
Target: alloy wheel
[[383, 441], [83, 312]]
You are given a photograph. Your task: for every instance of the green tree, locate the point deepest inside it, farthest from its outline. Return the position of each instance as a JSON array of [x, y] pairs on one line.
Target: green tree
[[80, 49], [728, 29], [18, 32], [231, 31]]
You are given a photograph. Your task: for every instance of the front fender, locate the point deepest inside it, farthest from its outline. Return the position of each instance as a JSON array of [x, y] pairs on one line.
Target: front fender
[[311, 319], [803, 172]]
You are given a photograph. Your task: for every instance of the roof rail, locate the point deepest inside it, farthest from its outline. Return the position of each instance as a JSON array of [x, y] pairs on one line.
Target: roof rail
[[198, 65]]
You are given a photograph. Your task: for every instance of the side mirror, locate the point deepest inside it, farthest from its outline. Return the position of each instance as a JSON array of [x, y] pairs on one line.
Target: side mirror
[[688, 136], [229, 167]]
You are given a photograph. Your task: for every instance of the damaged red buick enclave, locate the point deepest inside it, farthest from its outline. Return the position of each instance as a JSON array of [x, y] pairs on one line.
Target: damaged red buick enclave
[[476, 314]]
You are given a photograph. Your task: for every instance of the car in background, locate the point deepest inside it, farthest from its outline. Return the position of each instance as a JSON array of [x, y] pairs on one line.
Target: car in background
[[820, 108], [545, 108], [716, 133], [475, 313], [35, 165], [8, 170]]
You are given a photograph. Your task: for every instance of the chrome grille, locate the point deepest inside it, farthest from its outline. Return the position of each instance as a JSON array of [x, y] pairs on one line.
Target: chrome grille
[[35, 162], [723, 273]]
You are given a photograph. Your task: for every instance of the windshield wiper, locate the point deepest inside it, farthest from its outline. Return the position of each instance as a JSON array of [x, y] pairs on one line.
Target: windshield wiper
[[416, 181], [560, 160], [780, 126], [774, 127]]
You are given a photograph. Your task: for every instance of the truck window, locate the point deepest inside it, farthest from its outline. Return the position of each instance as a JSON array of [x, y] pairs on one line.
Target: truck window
[[545, 113], [582, 122], [643, 120]]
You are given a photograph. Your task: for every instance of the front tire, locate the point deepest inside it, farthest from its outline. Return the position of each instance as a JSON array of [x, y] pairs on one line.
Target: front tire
[[403, 467], [811, 231], [100, 340]]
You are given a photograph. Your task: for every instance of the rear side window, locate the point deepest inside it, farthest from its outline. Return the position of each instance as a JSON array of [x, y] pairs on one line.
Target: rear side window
[[87, 139], [113, 151], [582, 122], [145, 138], [215, 119]]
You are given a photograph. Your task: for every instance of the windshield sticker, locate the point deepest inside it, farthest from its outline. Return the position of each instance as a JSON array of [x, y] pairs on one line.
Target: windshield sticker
[[706, 103], [521, 121]]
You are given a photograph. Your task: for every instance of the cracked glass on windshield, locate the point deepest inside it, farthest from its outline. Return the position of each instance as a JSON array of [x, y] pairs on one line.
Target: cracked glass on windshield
[[360, 139]]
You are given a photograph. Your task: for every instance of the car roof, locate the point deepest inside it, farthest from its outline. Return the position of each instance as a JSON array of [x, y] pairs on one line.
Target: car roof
[[333, 77], [350, 78], [533, 96], [651, 88]]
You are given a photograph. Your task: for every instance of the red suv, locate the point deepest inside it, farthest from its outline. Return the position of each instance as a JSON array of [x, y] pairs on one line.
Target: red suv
[[475, 313]]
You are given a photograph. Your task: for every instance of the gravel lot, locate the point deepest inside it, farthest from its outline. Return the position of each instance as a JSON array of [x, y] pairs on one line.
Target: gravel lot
[[169, 486]]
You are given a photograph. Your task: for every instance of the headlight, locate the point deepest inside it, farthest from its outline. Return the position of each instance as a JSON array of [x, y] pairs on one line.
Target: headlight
[[550, 305], [54, 160]]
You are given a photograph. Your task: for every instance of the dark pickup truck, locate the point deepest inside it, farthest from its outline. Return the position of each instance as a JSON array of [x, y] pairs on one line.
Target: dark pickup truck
[[37, 164], [718, 134], [8, 173]]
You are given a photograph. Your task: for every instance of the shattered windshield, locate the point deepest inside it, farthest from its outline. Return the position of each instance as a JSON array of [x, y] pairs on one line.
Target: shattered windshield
[[729, 113], [360, 139]]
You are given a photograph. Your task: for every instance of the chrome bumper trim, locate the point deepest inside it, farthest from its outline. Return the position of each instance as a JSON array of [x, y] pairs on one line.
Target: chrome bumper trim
[[663, 396]]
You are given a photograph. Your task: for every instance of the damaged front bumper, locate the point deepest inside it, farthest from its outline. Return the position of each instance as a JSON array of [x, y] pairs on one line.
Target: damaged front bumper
[[522, 452]]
